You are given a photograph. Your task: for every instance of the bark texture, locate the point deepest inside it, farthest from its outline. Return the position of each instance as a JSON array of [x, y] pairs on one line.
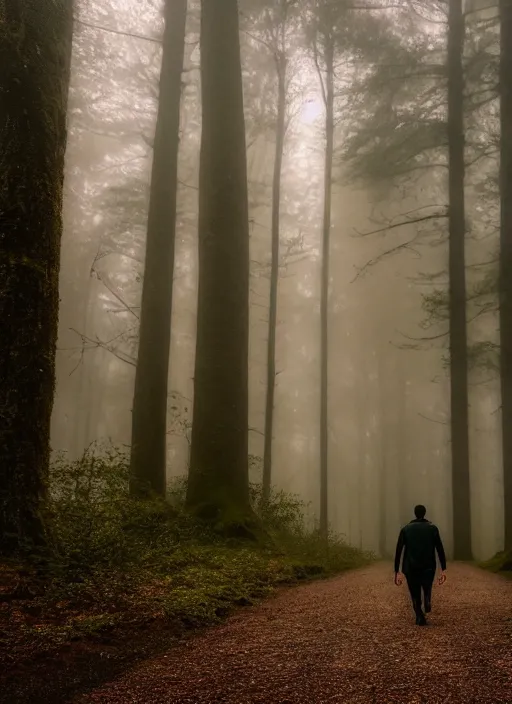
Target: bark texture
[[218, 487], [505, 8], [35, 55]]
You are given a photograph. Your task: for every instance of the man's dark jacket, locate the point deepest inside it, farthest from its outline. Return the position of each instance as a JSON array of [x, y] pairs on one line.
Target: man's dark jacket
[[419, 540]]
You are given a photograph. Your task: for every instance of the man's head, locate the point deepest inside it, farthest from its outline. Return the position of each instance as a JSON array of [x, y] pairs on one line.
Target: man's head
[[420, 511]]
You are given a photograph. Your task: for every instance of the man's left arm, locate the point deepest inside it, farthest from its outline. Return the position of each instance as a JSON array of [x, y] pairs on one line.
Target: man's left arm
[[440, 550], [441, 555], [398, 552]]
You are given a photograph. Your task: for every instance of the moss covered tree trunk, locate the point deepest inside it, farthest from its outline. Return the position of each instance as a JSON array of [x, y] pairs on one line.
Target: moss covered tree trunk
[[149, 415], [35, 54], [457, 273], [505, 8], [218, 487]]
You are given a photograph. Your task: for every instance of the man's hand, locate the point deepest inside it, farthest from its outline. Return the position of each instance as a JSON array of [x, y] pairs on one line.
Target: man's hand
[[398, 579], [442, 577]]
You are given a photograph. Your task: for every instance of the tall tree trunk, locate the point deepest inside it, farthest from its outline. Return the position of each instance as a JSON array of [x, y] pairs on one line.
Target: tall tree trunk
[[383, 498], [324, 296], [35, 57], [88, 370], [457, 273], [149, 418], [401, 450], [274, 274], [383, 462], [505, 83], [218, 487], [84, 385]]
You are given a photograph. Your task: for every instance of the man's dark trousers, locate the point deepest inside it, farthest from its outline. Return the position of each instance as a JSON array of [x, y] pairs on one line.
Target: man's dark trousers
[[418, 580]]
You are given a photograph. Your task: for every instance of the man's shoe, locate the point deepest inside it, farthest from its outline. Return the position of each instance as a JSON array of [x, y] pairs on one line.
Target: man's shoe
[[421, 620]]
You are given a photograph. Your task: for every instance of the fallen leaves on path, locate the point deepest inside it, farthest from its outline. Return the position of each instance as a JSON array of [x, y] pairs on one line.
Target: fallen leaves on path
[[350, 640]]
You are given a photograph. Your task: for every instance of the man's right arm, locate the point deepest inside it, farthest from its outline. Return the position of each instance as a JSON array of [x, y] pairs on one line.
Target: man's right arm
[[398, 552], [440, 550]]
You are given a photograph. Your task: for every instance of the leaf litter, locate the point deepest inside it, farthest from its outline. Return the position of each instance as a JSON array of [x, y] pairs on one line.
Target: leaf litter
[[347, 640]]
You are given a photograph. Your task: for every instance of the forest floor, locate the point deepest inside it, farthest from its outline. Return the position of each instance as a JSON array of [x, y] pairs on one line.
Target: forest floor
[[350, 639]]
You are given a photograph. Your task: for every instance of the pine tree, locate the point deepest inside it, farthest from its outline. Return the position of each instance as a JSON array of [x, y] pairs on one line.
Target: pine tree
[[417, 126]]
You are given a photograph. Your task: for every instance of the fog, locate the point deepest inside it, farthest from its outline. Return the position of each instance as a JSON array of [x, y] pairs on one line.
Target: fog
[[389, 404]]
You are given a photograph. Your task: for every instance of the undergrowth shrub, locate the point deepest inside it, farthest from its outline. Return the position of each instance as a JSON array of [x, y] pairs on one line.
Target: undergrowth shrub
[[501, 562], [97, 527], [95, 523], [87, 505]]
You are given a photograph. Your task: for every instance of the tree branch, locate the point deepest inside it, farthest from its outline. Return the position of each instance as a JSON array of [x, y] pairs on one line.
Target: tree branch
[[384, 255], [102, 345], [119, 32], [410, 221]]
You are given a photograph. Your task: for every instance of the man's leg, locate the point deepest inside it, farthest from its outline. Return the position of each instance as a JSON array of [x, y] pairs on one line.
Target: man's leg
[[427, 580], [414, 584]]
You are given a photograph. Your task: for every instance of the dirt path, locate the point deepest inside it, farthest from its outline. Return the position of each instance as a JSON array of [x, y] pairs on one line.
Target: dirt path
[[349, 640]]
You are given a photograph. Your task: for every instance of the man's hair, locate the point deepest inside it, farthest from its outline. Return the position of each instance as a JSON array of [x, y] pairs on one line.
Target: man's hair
[[420, 511]]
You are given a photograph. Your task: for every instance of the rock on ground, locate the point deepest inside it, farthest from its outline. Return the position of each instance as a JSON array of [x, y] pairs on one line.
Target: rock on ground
[[349, 640]]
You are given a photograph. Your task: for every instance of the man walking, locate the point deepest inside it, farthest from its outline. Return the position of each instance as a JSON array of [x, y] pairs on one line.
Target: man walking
[[419, 540]]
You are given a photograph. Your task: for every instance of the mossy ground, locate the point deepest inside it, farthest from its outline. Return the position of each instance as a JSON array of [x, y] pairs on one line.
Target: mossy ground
[[196, 584]]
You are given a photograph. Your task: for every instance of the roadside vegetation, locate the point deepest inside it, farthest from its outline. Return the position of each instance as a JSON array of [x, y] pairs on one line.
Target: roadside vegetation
[[114, 560], [501, 563]]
